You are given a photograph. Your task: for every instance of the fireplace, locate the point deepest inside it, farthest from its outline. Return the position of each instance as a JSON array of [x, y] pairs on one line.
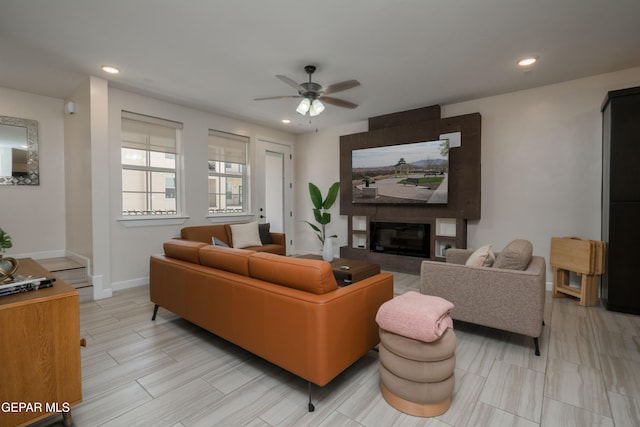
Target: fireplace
[[397, 238]]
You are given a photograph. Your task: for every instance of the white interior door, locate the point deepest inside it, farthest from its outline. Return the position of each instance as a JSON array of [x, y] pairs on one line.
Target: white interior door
[[274, 184]]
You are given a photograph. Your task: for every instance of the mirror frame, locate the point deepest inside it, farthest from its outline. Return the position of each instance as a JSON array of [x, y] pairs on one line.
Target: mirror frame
[[33, 164]]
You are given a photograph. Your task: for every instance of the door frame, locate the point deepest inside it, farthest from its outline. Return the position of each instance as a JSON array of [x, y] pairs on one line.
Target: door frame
[[264, 144]]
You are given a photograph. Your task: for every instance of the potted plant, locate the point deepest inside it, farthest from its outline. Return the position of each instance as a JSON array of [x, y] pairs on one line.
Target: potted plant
[[321, 207], [5, 241]]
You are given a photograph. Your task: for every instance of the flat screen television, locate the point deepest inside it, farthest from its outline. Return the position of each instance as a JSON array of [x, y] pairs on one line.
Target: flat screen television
[[411, 173]]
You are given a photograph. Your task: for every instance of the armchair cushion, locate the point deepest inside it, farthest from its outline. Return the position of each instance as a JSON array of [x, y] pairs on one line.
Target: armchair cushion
[[515, 256], [482, 257]]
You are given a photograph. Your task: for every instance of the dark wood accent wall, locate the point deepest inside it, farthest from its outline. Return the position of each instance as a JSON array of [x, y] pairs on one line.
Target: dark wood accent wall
[[464, 194], [405, 117], [464, 168]]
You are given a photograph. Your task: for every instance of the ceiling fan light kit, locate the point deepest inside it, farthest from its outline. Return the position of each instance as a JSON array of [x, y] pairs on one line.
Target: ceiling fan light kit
[[311, 92], [316, 108]]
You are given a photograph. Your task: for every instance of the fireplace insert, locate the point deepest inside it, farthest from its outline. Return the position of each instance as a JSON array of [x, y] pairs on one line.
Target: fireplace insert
[[400, 238]]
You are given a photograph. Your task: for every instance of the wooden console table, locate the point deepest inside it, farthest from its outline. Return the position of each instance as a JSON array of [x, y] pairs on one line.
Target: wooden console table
[[39, 351]]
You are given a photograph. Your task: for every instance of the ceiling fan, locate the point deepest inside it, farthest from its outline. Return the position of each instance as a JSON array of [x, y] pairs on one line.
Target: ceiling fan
[[312, 92]]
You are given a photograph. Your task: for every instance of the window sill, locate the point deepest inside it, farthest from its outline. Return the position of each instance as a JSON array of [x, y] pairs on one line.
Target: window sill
[[150, 221], [226, 217]]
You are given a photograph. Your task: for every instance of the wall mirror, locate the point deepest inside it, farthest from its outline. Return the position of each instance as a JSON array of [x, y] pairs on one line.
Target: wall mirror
[[19, 151]]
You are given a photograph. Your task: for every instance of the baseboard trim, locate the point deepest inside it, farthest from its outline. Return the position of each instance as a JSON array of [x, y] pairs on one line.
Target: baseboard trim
[[128, 284]]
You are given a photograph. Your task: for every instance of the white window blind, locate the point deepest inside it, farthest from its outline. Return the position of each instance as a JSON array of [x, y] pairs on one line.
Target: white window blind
[[149, 133], [228, 173], [150, 147], [227, 147]]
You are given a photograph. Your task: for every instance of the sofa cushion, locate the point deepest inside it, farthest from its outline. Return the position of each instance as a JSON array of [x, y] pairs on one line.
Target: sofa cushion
[[245, 235], [515, 256], [205, 233], [184, 250], [481, 257], [308, 275], [265, 235], [217, 242], [227, 259]]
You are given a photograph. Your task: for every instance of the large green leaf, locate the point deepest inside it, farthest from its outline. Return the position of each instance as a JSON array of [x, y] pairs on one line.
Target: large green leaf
[[313, 226], [316, 196], [326, 218], [322, 218], [332, 195]]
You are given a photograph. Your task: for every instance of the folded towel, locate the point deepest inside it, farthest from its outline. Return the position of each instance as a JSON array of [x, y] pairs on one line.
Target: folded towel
[[413, 315]]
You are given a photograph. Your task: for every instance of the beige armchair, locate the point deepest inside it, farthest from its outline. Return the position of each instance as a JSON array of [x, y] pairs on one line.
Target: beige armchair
[[511, 300]]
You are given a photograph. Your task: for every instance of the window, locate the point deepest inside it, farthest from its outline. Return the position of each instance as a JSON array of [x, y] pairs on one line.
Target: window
[[149, 165], [228, 160]]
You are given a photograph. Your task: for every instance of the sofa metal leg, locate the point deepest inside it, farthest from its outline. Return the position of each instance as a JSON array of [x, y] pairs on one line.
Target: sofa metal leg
[[311, 407], [155, 311], [537, 344]]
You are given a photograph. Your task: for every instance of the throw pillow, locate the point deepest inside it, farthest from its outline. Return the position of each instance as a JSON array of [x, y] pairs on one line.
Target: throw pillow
[[245, 235], [217, 242], [481, 257], [515, 256], [265, 235]]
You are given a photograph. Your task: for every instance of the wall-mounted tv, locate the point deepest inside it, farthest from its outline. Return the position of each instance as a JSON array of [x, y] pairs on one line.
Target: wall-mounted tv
[[415, 172]]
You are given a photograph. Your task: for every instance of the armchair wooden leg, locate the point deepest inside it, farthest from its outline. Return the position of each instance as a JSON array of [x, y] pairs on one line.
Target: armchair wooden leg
[[155, 311], [537, 344]]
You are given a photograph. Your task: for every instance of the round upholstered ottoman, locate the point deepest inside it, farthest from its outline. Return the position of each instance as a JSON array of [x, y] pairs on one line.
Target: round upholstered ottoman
[[417, 354]]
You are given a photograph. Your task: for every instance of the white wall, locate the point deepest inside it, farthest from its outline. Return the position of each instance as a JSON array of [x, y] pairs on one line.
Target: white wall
[[541, 171], [131, 246], [317, 160], [34, 215], [77, 154]]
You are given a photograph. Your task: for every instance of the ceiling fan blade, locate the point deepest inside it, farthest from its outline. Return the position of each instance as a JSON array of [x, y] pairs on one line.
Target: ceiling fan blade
[[294, 84], [277, 97], [339, 87], [339, 102]]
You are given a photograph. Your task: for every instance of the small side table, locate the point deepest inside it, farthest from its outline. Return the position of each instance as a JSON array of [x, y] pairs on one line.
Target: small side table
[[584, 257]]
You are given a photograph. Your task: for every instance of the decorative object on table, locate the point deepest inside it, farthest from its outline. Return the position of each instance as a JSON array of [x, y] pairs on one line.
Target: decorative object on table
[[322, 216], [327, 249], [8, 265], [24, 283]]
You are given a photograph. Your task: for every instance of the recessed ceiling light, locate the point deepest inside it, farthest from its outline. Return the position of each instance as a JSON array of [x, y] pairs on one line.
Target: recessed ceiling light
[[525, 62], [109, 69], [286, 121]]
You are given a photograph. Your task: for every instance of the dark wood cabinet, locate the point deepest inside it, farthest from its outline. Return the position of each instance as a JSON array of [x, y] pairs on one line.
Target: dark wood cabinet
[[621, 199]]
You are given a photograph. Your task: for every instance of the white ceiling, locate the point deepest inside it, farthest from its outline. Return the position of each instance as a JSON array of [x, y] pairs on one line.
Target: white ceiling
[[218, 55]]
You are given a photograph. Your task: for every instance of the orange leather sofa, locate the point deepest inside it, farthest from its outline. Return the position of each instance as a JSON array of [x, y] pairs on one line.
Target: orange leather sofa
[[289, 311], [204, 233]]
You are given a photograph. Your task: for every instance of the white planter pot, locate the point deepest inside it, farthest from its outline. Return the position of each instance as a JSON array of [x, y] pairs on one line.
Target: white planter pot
[[327, 249]]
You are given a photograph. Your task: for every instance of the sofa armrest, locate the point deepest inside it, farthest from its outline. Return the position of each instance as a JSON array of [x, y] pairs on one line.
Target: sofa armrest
[[511, 300], [458, 256], [279, 239]]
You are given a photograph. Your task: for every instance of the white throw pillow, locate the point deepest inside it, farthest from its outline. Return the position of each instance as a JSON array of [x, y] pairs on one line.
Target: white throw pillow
[[481, 257], [245, 235]]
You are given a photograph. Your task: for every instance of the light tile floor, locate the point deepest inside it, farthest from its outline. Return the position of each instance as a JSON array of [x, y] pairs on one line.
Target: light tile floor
[[172, 373]]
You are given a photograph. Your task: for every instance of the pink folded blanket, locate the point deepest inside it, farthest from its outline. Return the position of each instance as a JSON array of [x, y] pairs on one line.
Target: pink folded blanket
[[413, 315]]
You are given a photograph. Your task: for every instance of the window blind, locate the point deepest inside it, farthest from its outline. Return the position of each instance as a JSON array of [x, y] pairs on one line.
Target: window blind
[[227, 147], [149, 133]]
